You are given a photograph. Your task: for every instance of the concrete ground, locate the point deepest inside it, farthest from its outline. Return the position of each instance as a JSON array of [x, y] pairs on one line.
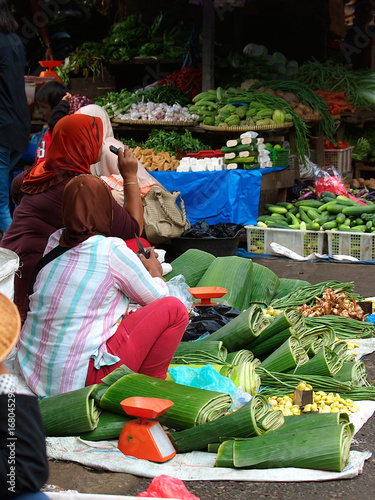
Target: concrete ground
[[71, 476]]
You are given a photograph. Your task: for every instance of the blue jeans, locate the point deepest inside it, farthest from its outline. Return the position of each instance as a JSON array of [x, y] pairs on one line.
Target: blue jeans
[[8, 160]]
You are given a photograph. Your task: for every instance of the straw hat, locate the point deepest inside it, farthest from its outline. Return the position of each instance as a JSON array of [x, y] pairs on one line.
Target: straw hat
[[10, 325]]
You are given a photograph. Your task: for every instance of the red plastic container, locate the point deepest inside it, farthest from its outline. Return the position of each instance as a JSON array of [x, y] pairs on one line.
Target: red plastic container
[[209, 153]]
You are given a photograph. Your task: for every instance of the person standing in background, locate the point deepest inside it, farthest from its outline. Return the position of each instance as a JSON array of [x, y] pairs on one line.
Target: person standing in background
[[15, 123]]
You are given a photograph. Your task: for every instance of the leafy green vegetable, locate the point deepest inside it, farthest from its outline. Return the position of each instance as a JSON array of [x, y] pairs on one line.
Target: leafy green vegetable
[[173, 142], [362, 149]]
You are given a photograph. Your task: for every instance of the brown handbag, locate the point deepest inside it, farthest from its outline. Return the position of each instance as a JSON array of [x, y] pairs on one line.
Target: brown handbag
[[163, 217]]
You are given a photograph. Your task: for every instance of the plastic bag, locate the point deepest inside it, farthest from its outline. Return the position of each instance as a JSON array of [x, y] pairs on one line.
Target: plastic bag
[[329, 180], [208, 320], [178, 287], [203, 378], [164, 486]]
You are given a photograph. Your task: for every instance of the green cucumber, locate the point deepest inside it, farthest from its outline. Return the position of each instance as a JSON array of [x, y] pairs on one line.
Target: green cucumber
[[286, 204], [329, 225], [275, 208], [309, 203], [304, 216], [369, 226], [313, 213], [277, 225], [340, 218], [357, 211], [237, 149], [335, 208], [327, 194]]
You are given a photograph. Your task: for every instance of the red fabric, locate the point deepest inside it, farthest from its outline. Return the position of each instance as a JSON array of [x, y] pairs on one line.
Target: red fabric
[[41, 152], [75, 145], [36, 217], [146, 340], [133, 245]]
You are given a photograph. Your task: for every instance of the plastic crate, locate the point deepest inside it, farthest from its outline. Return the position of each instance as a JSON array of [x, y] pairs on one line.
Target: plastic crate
[[304, 243], [358, 245], [340, 159], [280, 157]]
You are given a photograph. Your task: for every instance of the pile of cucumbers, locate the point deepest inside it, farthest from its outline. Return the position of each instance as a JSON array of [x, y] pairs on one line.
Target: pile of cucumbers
[[213, 108], [329, 213]]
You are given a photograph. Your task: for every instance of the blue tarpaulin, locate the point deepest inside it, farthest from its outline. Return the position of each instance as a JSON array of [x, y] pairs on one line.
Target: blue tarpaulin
[[218, 196]]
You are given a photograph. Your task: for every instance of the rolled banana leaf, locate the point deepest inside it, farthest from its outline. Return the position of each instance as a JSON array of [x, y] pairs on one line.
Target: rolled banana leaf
[[238, 357], [109, 426], [241, 329], [70, 413], [209, 352], [353, 371], [323, 448], [313, 339], [291, 317], [286, 357], [263, 349], [264, 284], [235, 275], [245, 376], [315, 420], [341, 348], [326, 363], [243, 422], [192, 406], [192, 264]]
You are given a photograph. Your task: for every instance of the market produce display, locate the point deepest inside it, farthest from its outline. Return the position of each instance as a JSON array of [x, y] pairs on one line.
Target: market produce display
[[293, 354], [330, 212]]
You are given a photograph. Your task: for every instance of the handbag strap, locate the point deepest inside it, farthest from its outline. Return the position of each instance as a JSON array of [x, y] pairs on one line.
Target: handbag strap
[[159, 197], [55, 252]]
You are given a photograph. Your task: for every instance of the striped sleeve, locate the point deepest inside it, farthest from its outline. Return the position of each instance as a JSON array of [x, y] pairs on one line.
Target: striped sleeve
[[132, 277]]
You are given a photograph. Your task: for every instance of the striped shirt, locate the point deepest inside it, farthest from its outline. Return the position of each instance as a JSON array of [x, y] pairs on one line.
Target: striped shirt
[[78, 300]]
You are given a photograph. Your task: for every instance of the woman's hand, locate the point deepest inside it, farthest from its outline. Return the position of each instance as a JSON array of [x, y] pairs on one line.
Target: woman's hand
[[3, 370], [152, 264], [127, 165]]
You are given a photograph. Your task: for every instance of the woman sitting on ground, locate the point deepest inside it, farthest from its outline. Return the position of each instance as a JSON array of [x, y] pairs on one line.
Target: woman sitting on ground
[[76, 143], [77, 329]]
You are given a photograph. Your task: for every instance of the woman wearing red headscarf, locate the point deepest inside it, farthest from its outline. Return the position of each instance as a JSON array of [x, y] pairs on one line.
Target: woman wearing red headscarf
[[76, 144], [77, 329]]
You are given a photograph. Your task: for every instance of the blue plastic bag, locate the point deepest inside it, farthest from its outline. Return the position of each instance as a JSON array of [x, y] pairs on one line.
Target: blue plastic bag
[[203, 378], [371, 318]]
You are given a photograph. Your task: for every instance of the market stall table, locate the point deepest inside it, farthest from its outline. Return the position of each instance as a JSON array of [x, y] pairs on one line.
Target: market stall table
[[228, 196]]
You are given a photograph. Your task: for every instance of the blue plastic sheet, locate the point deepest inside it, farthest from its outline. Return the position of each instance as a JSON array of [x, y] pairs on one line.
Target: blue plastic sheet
[[219, 196]]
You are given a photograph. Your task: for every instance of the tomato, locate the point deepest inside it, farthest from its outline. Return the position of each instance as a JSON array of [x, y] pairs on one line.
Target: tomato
[[342, 144], [334, 110]]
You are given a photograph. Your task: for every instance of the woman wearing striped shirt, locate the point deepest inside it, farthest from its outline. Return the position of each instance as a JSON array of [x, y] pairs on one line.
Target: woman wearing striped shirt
[[77, 329]]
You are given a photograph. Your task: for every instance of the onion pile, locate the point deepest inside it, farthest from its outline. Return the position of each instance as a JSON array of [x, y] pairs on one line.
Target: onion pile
[[78, 101]]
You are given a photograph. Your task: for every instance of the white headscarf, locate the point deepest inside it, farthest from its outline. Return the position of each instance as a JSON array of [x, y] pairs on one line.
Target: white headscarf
[[108, 164]]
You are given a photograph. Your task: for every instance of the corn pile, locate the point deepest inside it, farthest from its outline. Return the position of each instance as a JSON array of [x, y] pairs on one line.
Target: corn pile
[[322, 403]]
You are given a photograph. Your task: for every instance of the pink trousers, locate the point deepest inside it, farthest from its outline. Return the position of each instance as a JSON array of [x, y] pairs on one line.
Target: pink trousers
[[146, 340]]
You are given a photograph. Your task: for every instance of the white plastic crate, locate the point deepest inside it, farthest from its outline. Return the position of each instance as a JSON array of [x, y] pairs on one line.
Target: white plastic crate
[[304, 243], [358, 245], [340, 159]]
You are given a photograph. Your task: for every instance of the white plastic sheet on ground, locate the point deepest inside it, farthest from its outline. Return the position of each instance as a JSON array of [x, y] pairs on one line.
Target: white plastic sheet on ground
[[197, 465]]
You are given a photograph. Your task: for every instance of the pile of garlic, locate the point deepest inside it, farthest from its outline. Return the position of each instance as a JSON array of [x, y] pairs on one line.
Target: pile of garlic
[[152, 111]]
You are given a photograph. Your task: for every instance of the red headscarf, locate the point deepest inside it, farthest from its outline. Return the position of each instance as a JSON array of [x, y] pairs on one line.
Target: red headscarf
[[76, 142], [87, 210]]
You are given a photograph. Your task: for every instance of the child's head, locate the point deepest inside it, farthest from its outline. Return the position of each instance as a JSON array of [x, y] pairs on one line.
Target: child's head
[[49, 96]]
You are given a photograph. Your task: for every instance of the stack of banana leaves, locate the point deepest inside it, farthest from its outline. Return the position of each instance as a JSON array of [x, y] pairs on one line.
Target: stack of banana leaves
[[267, 351]]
